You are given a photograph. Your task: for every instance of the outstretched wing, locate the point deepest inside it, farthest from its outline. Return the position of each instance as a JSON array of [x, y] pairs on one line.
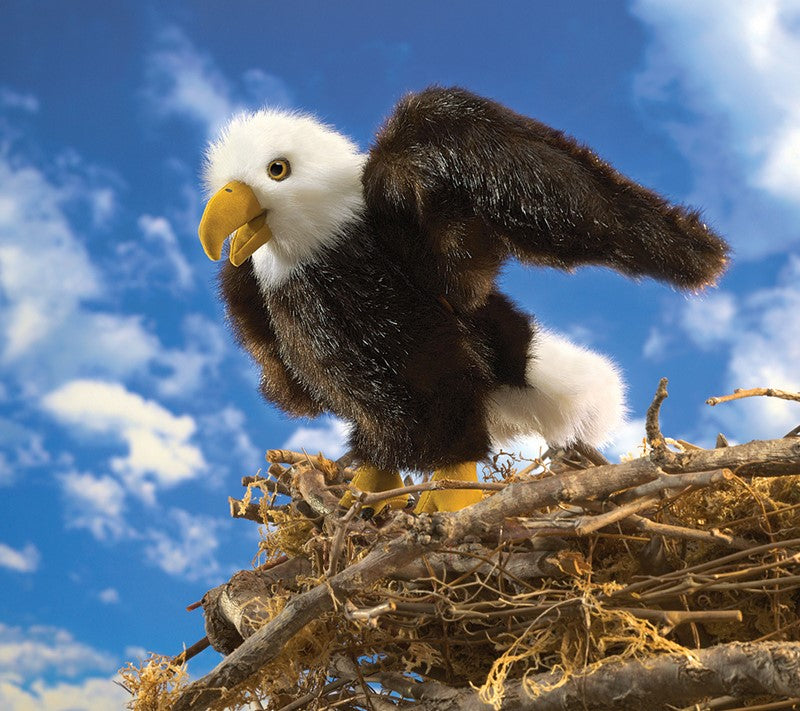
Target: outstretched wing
[[449, 157]]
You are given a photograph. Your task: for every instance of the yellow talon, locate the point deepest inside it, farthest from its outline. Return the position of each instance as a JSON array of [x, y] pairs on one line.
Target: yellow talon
[[372, 479], [451, 499]]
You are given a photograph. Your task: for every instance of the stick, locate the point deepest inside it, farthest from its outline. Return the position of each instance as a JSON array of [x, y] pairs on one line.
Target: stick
[[740, 393], [376, 496], [652, 427], [192, 651]]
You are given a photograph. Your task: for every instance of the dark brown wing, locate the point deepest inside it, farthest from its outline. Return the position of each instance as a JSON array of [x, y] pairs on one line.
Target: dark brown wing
[[447, 156], [252, 327]]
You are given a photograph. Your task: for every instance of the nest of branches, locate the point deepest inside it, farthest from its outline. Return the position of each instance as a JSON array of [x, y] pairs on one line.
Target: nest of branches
[[667, 581]]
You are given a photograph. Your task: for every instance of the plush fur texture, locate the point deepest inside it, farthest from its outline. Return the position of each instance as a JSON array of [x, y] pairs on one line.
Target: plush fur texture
[[381, 305], [306, 210], [448, 160], [571, 394]]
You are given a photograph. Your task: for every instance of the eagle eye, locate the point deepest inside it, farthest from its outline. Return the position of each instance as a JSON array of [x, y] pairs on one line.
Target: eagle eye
[[279, 169]]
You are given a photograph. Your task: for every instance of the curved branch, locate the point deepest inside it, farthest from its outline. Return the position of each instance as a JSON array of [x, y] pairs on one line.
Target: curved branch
[[667, 681]]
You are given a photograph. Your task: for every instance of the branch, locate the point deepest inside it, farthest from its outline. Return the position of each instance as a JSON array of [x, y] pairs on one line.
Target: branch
[[652, 427], [740, 393], [670, 680]]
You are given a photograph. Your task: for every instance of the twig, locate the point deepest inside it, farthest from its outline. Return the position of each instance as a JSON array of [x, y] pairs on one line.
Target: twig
[[640, 523], [192, 651], [251, 511], [369, 499], [593, 455], [740, 393], [584, 525], [670, 482], [792, 703], [673, 618], [287, 456], [369, 614], [652, 427], [338, 541], [304, 700]]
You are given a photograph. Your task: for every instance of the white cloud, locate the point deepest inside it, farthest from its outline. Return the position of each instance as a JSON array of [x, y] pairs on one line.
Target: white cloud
[[190, 553], [21, 449], [135, 652], [25, 560], [108, 596], [527, 446], [728, 63], [710, 318], [51, 328], [159, 448], [184, 82], [197, 363], [27, 652], [92, 694], [160, 236], [329, 437], [11, 99], [31, 209], [6, 471], [627, 441], [656, 344], [231, 421], [96, 504]]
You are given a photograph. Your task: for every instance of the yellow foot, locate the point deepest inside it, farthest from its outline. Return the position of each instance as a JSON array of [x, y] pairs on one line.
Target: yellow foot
[[372, 479], [451, 499]]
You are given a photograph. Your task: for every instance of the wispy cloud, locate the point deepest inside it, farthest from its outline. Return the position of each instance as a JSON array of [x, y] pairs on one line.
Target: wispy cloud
[[162, 241], [96, 504], [329, 436], [182, 81], [108, 596], [25, 560], [51, 328], [728, 64], [26, 652], [20, 101], [197, 363], [21, 449], [191, 552], [92, 694], [627, 441], [160, 453], [30, 204], [31, 656], [710, 319]]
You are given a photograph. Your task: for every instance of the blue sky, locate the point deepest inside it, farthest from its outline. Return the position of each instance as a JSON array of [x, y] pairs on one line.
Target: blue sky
[[127, 415]]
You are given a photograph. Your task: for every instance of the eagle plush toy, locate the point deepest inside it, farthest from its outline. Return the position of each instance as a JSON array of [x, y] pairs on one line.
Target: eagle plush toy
[[365, 284]]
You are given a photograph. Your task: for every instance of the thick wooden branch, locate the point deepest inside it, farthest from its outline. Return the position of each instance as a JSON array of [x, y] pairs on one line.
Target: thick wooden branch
[[738, 669], [415, 536]]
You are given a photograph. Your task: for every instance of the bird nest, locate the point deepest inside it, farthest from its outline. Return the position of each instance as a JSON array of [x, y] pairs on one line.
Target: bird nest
[[670, 580]]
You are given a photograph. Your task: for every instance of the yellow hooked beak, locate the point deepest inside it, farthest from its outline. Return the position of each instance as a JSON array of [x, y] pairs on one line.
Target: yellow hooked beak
[[234, 209]]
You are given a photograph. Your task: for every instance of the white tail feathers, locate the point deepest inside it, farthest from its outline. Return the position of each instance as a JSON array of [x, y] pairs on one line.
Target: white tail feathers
[[573, 394]]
